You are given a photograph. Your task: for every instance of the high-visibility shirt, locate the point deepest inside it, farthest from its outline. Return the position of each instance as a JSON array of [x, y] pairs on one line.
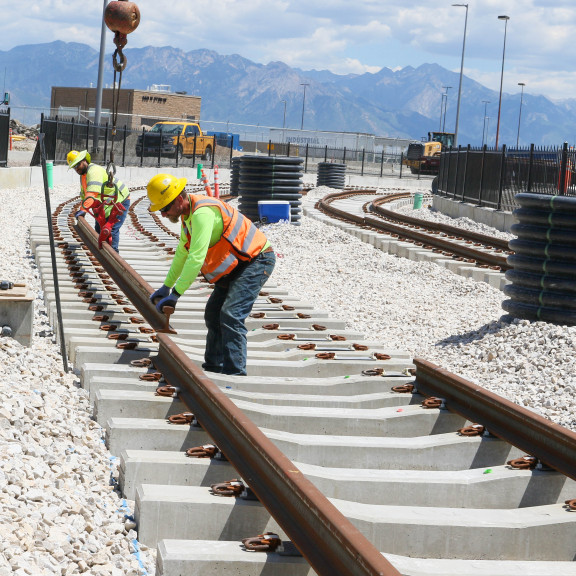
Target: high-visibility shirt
[[91, 185], [214, 239]]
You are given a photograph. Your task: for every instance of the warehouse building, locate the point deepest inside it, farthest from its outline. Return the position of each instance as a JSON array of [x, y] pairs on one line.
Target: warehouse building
[[136, 108]]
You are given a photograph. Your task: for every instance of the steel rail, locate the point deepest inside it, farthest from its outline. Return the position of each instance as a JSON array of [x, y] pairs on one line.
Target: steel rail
[[323, 535], [494, 260], [498, 243], [552, 444]]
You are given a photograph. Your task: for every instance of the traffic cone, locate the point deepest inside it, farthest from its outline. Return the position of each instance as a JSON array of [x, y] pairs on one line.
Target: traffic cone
[[216, 182], [206, 184]]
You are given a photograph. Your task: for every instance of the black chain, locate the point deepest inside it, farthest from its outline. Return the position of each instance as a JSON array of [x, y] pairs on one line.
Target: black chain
[[119, 62]]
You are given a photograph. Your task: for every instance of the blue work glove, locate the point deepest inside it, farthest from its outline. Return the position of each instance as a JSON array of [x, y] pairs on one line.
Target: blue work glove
[[159, 294], [170, 300], [79, 213]]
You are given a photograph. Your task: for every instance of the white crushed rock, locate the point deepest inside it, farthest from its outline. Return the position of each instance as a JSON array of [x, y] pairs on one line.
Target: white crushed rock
[[59, 513]]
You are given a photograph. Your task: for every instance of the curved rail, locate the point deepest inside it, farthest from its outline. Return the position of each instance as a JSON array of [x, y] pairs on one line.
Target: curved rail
[[449, 240]]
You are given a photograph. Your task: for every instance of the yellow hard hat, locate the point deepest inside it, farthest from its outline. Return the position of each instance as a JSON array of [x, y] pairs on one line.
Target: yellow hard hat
[[162, 189], [74, 157]]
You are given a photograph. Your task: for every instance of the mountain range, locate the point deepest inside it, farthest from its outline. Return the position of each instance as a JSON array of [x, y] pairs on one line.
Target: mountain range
[[406, 103]]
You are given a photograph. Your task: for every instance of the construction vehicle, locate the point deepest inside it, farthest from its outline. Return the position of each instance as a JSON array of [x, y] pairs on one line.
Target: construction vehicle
[[424, 157]]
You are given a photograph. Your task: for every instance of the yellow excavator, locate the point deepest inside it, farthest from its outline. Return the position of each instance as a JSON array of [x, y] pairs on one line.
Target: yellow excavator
[[424, 157]]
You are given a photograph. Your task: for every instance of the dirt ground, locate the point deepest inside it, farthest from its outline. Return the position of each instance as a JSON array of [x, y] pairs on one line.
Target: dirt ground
[[21, 153]]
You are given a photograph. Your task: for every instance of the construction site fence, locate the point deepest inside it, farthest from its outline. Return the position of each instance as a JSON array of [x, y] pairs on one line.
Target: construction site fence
[[65, 134], [492, 178], [4, 136]]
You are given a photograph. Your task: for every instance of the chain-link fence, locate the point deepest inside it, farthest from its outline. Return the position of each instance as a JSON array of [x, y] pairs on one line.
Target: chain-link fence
[[130, 148]]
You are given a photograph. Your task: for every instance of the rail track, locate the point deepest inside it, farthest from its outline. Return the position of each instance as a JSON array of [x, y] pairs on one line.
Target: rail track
[[333, 456], [444, 240]]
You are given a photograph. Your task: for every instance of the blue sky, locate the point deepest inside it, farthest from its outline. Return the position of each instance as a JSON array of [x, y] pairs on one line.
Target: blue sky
[[337, 35]]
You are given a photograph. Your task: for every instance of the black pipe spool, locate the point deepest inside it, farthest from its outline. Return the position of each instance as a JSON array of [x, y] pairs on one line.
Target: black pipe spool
[[269, 178], [543, 274]]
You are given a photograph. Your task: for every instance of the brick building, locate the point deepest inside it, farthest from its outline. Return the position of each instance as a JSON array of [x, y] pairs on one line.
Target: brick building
[[136, 108]]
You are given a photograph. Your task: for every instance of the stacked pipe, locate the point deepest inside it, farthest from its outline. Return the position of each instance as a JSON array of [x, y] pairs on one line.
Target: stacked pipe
[[234, 176], [270, 178], [331, 174], [544, 263]]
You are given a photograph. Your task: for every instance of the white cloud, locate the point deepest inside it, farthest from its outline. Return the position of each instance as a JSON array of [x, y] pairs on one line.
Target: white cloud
[[335, 34]]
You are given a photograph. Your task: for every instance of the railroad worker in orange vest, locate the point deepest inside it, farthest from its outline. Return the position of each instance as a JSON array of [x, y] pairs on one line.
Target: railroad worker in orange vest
[[229, 251], [92, 178]]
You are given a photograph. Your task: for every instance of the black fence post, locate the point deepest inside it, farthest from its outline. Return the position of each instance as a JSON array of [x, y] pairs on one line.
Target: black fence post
[[344, 156], [448, 170], [464, 178], [269, 147], [482, 165], [562, 182], [214, 144], [124, 147], [457, 171], [502, 175], [142, 147], [530, 166], [306, 161], [105, 139], [88, 135], [71, 147], [231, 151], [194, 150], [401, 164], [177, 149], [326, 153], [160, 142], [363, 157], [288, 150]]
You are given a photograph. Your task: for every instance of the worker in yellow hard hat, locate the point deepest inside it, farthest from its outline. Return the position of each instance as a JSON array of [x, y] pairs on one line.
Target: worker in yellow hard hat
[[92, 178], [230, 252]]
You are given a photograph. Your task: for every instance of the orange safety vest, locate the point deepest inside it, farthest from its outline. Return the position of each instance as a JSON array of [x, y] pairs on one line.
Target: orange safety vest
[[240, 240]]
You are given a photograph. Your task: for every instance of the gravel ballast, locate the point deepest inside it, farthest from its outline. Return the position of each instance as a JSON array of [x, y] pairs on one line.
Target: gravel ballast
[[59, 511]]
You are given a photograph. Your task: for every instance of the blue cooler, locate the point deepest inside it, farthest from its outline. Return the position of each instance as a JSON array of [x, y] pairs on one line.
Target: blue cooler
[[271, 211]]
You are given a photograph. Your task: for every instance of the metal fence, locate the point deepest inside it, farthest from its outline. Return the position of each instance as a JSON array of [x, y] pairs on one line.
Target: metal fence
[[492, 178], [65, 134], [4, 136]]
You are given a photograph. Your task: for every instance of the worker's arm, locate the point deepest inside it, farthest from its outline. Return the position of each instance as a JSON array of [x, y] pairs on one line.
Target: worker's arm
[[186, 264]]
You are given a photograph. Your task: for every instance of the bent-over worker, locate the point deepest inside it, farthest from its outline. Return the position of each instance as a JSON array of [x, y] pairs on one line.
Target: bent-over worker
[[229, 251], [92, 178]]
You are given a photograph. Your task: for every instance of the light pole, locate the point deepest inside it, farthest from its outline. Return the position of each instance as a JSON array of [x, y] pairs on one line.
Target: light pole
[[445, 107], [284, 121], [303, 102], [486, 102], [505, 18], [461, 74], [520, 112], [441, 111]]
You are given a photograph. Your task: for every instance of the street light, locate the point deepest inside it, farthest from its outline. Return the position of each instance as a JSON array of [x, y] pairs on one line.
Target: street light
[[520, 112], [441, 112], [303, 101], [461, 74], [445, 107], [505, 18], [284, 121], [486, 102]]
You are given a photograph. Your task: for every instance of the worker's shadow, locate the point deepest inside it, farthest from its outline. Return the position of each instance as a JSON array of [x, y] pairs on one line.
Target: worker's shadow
[[480, 333]]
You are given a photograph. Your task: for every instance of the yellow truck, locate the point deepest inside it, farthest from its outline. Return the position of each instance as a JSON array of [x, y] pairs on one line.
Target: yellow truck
[[175, 140]]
